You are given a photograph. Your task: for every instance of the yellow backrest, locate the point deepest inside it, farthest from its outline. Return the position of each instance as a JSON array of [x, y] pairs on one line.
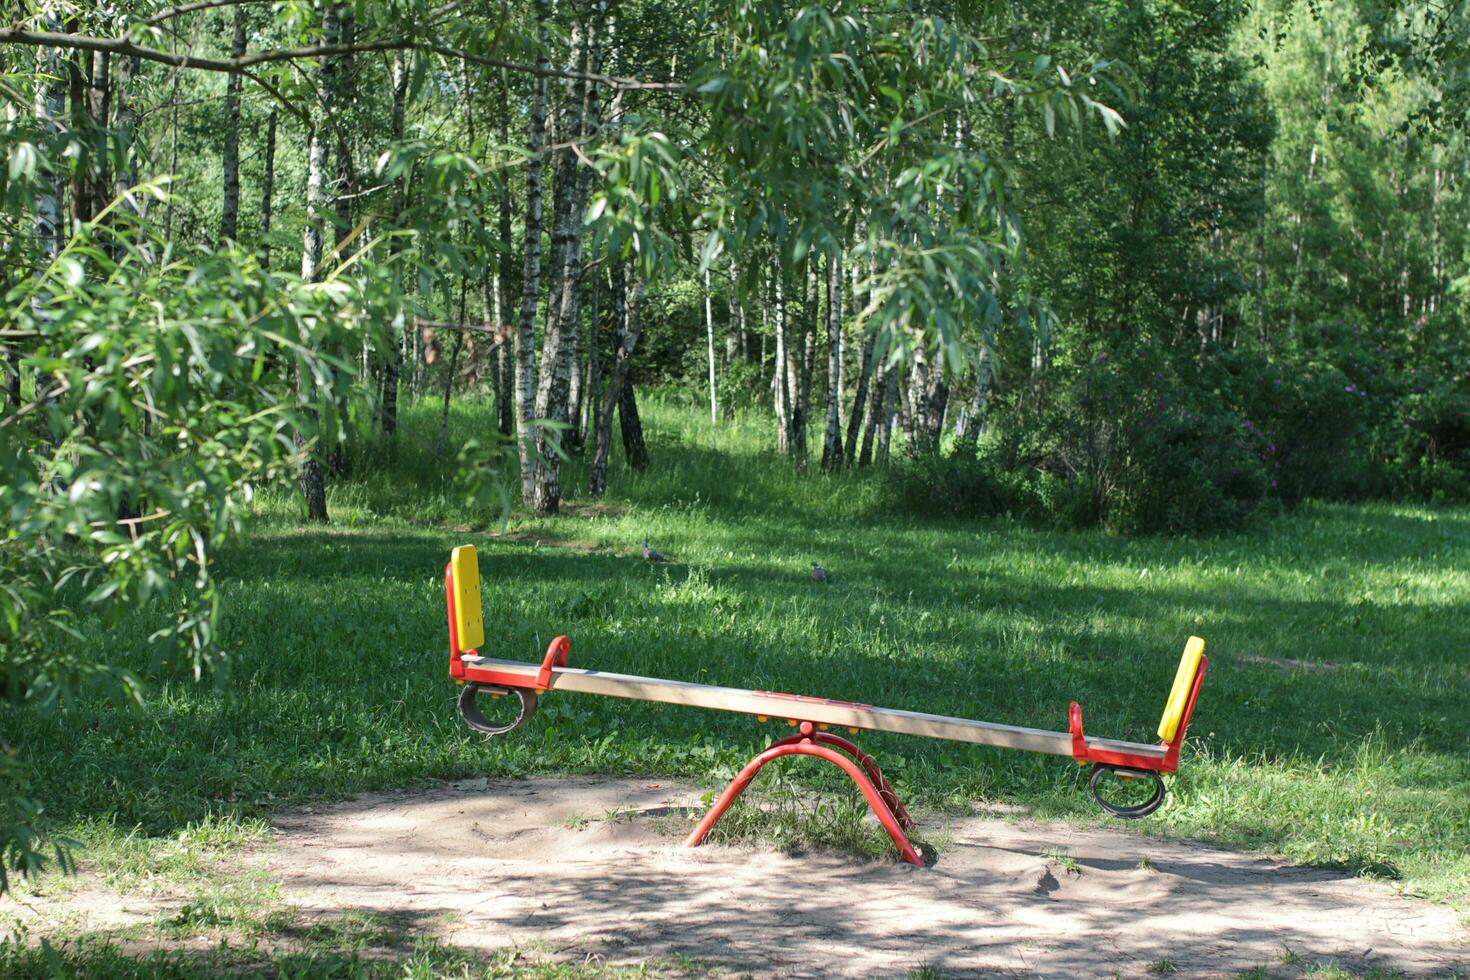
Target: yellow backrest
[[1179, 693], [469, 622]]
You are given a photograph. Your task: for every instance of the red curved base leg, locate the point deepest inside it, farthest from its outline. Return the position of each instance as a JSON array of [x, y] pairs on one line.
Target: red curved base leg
[[864, 773], [869, 766]]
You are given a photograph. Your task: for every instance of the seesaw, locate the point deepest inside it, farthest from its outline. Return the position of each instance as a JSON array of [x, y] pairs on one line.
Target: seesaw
[[812, 717]]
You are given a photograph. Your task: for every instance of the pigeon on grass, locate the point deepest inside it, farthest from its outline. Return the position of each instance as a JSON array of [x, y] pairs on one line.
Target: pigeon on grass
[[819, 574], [650, 555]]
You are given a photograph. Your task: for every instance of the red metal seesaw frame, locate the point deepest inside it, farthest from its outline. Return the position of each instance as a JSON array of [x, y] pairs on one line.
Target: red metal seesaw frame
[[1084, 753], [864, 771]]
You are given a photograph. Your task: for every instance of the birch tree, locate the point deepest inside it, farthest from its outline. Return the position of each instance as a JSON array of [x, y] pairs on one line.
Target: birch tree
[[229, 222], [313, 478], [525, 337], [832, 439]]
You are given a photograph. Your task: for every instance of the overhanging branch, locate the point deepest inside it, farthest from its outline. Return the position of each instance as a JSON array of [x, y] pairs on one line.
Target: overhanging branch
[[242, 64]]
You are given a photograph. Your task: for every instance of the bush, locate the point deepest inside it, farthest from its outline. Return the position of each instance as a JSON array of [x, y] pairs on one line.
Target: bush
[[1315, 409], [1426, 446], [1127, 445], [952, 486]]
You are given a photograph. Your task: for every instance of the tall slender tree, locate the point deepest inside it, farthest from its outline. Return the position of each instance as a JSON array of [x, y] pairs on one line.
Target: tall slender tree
[[229, 222], [627, 323], [832, 440], [313, 479], [525, 337]]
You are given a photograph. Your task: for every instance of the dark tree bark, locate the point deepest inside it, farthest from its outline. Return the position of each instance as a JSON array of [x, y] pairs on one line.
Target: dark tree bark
[[626, 323], [505, 266], [393, 356], [229, 222], [634, 448], [83, 130], [832, 441], [99, 93], [268, 191]]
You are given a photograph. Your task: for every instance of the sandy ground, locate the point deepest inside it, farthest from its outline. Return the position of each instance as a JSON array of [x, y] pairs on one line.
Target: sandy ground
[[578, 866]]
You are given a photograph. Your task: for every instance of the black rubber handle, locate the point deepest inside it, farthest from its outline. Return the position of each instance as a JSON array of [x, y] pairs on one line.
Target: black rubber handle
[[469, 708], [1128, 812]]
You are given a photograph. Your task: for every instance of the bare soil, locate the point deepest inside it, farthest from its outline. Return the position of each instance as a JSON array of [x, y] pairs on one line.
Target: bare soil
[[579, 867]]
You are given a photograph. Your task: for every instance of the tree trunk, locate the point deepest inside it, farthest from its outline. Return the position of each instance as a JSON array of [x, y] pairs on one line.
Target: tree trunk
[[782, 382], [346, 182], [505, 272], [393, 356], [50, 111], [83, 132], [493, 312], [531, 271], [928, 395], [559, 345], [439, 440], [832, 442], [1260, 280], [591, 395], [861, 407], [802, 372], [123, 122], [634, 448], [885, 415], [872, 415], [626, 324], [100, 112], [313, 481], [344, 75], [974, 419], [229, 222], [173, 153], [268, 190], [709, 332]]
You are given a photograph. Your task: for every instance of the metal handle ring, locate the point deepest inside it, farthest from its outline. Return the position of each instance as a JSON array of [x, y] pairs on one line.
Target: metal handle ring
[[469, 708], [1128, 812]]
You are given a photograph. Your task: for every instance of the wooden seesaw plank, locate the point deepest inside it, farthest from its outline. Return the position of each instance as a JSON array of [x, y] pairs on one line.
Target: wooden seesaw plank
[[822, 711]]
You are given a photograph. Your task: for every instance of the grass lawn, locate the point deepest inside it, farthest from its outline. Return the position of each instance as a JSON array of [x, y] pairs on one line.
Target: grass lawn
[[1334, 726]]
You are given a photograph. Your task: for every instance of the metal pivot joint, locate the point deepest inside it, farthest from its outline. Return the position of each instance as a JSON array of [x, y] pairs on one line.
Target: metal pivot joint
[[860, 768]]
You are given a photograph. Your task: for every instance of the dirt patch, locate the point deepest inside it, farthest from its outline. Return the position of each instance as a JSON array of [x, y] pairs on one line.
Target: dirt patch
[[580, 866], [88, 907]]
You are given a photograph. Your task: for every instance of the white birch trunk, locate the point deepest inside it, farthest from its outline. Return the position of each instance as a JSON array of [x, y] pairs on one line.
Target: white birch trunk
[[709, 331], [525, 379]]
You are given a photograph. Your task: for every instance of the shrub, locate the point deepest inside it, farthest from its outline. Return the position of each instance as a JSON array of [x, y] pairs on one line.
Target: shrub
[[951, 486], [1426, 445], [1127, 445]]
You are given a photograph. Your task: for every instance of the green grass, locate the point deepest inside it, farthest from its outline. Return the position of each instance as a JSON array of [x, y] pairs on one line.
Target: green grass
[[1332, 727], [320, 954]]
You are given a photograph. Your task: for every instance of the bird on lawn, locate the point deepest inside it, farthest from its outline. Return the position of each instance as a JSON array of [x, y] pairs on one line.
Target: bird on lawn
[[650, 554], [819, 574]]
